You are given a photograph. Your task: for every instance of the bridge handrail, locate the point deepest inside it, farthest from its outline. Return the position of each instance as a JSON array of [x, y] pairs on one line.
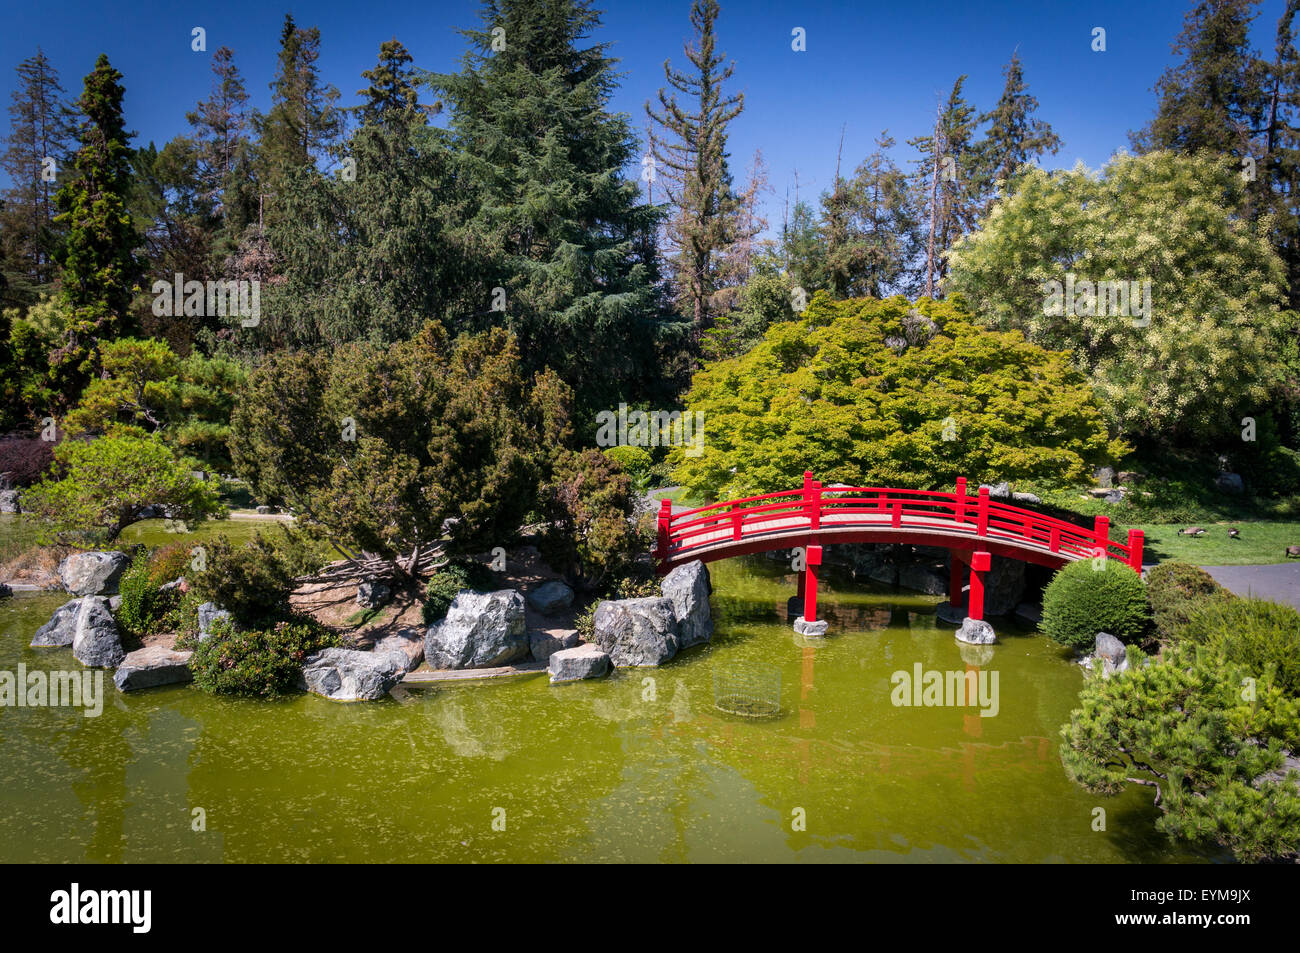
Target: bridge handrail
[[907, 508]]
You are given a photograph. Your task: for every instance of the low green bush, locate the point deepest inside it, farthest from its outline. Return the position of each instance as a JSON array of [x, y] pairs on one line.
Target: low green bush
[[1081, 601], [145, 607], [1174, 590], [636, 462], [451, 579], [257, 662], [252, 580], [1254, 633]]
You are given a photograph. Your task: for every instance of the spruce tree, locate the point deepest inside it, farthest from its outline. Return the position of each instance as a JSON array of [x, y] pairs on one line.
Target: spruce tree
[[1214, 98], [690, 151], [560, 229], [100, 271], [391, 95], [1282, 148], [41, 126], [220, 133], [1014, 136]]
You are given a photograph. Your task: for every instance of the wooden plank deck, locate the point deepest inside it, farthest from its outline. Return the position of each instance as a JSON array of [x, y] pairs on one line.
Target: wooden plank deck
[[473, 674]]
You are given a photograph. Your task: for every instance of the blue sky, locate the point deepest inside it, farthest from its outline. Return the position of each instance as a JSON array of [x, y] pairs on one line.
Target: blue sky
[[868, 66]]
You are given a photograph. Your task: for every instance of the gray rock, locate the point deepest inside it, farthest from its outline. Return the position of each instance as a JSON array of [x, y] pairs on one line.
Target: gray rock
[[1230, 483], [921, 578], [114, 603], [152, 666], [174, 584], [210, 612], [543, 644], [96, 642], [1128, 477], [265, 510], [1112, 655], [406, 646], [349, 675], [583, 661], [9, 502], [372, 594], [998, 491], [93, 574], [480, 630], [688, 587], [811, 629], [551, 597], [62, 627], [637, 631], [976, 632], [1029, 498], [1105, 476], [1114, 496]]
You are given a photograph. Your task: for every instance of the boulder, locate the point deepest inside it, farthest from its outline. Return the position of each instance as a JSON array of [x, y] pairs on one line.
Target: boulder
[[922, 578], [349, 675], [210, 612], [1004, 586], [96, 642], [550, 598], [93, 574], [480, 630], [152, 666], [1114, 496], [1128, 477], [264, 511], [1105, 476], [1230, 483], [637, 631], [998, 491], [688, 587], [372, 594], [1029, 498], [583, 661], [62, 627], [9, 502], [406, 646], [1112, 655], [976, 632], [811, 629], [543, 644]]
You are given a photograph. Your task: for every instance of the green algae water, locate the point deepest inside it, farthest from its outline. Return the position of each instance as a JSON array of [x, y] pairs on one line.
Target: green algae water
[[637, 767]]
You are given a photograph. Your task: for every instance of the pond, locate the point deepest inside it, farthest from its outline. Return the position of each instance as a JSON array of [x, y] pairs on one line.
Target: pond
[[637, 767]]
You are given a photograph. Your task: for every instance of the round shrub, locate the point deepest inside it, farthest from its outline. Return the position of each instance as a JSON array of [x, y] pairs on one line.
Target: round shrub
[[260, 662], [1254, 633], [1174, 591], [636, 462], [1081, 601]]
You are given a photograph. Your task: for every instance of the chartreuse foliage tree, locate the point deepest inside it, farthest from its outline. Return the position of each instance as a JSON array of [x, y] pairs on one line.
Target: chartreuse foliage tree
[[100, 487], [883, 393], [1209, 736], [1206, 354], [380, 445]]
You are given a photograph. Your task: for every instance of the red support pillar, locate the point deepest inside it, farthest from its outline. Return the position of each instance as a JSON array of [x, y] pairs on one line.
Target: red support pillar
[[664, 528], [982, 514], [813, 560], [979, 565], [1135, 550], [956, 580], [959, 510], [1101, 533]]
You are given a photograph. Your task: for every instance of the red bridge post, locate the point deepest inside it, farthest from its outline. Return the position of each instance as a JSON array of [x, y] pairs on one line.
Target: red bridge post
[[982, 514], [665, 524], [1135, 550], [979, 565], [1101, 533], [959, 511], [812, 559]]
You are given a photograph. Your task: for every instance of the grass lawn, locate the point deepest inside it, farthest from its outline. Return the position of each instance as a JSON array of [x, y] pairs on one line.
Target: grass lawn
[[1260, 542]]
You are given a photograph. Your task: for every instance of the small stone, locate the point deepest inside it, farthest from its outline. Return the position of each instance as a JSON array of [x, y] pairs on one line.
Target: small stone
[[1029, 498], [372, 594], [584, 661], [9, 502], [551, 598], [209, 613], [152, 666], [544, 644], [998, 491], [976, 632], [1111, 653], [811, 629]]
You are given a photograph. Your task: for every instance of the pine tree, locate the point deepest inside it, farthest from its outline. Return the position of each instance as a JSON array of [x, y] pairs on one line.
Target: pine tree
[[1282, 147], [224, 152], [690, 148], [561, 230], [303, 122], [1014, 137], [1214, 98], [391, 94], [948, 204], [41, 126], [100, 271]]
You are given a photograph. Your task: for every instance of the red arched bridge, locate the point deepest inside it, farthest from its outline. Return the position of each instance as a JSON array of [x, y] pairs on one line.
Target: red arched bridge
[[973, 528]]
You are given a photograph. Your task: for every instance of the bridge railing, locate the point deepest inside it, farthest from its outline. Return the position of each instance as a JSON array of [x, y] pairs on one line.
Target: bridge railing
[[814, 506]]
